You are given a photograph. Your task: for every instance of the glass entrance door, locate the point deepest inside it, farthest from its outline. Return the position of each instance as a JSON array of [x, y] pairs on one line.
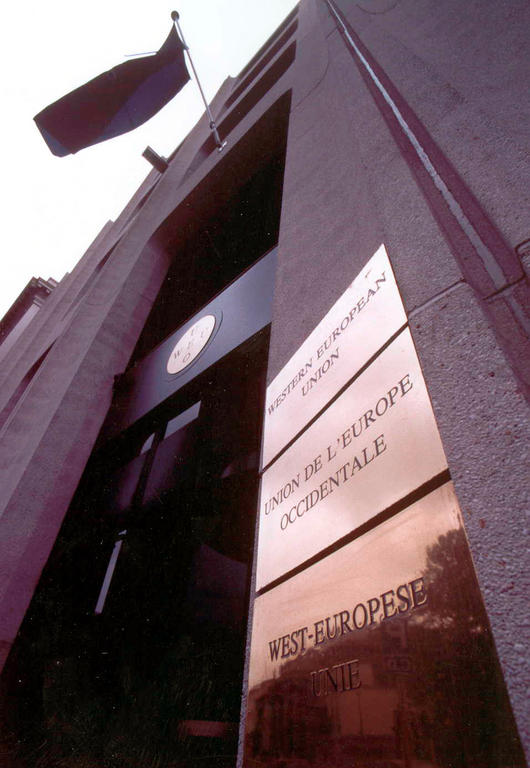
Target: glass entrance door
[[132, 653]]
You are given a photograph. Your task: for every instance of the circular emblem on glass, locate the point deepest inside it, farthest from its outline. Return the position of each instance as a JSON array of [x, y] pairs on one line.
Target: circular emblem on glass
[[191, 344]]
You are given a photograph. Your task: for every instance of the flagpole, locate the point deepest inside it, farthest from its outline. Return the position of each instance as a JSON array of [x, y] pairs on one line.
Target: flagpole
[[220, 144]]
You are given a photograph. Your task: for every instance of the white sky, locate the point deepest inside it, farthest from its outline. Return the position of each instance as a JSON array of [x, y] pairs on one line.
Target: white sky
[[54, 207]]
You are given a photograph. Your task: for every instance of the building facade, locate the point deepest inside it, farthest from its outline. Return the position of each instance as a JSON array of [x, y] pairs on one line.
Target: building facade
[[23, 309], [187, 576]]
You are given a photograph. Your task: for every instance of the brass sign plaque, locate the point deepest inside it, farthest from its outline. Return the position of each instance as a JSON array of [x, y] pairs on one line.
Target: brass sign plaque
[[374, 445], [380, 656], [368, 313]]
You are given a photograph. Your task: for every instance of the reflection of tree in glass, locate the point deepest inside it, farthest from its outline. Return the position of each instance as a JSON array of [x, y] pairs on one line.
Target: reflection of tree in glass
[[431, 689], [456, 676]]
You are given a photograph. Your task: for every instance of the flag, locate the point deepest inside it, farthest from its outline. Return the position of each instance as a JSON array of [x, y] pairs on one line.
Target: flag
[[116, 101]]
